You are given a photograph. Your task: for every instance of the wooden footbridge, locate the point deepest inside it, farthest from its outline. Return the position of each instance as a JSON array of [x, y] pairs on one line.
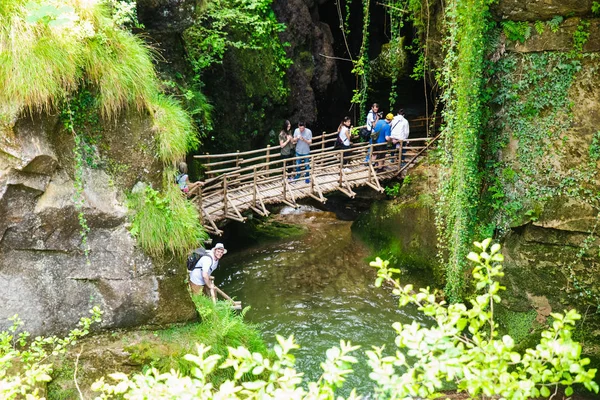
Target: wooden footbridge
[[236, 182]]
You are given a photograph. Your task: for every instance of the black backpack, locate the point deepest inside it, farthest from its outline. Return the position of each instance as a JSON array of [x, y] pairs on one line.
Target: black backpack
[[195, 256]]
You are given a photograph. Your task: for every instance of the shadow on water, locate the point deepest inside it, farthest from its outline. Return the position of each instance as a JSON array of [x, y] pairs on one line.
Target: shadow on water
[[317, 287]]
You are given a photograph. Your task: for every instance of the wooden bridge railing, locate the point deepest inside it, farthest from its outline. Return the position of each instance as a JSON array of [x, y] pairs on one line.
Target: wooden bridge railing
[[252, 179]]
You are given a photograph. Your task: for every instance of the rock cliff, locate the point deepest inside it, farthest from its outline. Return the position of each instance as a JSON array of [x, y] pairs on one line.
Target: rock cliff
[[44, 272], [551, 246]]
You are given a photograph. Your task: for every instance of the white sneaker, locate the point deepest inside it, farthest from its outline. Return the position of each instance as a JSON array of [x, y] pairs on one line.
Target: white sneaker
[[346, 170]]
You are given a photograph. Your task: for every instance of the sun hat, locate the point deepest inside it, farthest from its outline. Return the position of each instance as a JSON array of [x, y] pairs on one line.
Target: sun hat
[[220, 246], [389, 116]]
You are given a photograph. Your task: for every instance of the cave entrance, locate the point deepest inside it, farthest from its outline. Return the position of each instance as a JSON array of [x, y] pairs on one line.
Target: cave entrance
[[413, 95]]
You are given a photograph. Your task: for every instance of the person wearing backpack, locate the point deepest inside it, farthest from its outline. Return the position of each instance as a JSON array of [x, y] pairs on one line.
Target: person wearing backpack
[[200, 274]]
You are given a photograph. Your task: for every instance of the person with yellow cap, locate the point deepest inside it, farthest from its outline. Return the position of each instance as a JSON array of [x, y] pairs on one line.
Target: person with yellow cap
[[382, 129]]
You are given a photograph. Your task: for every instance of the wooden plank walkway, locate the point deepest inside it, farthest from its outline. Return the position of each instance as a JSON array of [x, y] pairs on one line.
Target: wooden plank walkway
[[253, 179]]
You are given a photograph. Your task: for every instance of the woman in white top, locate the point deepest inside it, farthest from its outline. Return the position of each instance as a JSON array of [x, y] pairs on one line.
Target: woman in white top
[[343, 139]]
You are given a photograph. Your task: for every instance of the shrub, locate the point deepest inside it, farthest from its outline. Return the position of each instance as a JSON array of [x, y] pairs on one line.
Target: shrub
[[461, 347], [25, 365]]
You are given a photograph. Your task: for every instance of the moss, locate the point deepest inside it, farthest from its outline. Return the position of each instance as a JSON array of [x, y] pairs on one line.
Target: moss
[[62, 385], [518, 325], [402, 232]]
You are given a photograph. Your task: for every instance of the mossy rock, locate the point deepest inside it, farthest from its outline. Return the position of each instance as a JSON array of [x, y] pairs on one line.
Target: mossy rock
[[403, 230]]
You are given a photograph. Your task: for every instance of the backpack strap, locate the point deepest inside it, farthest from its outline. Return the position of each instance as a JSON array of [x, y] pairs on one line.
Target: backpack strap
[[198, 262]]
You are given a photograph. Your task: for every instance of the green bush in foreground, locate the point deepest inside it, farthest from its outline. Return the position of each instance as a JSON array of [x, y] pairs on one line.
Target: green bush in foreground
[[25, 365], [462, 348]]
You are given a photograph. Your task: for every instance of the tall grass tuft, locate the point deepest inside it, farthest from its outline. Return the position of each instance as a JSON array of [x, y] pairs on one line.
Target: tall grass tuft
[[221, 327], [48, 49], [165, 222], [173, 128], [120, 66], [38, 66]]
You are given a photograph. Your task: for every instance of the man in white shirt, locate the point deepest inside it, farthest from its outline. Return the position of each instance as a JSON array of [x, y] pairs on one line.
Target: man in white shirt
[[200, 276], [303, 140], [400, 130]]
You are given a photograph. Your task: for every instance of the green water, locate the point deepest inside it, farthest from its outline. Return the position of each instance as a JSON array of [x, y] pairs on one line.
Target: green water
[[318, 287]]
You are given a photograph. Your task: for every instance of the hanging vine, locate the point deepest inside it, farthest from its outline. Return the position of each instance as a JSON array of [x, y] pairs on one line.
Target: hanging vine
[[467, 24], [361, 64], [78, 182]]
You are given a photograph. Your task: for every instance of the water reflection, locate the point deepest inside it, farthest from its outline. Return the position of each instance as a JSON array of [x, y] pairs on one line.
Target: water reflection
[[319, 288]]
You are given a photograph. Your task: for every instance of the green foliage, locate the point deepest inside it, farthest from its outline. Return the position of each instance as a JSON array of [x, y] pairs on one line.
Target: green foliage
[[124, 13], [78, 181], [221, 327], [247, 24], [50, 49], [596, 8], [464, 346], [539, 27], [460, 345], [594, 149], [25, 364], [464, 97], [393, 191], [361, 65], [82, 114], [517, 31], [537, 107], [554, 23], [580, 37], [165, 222], [119, 65]]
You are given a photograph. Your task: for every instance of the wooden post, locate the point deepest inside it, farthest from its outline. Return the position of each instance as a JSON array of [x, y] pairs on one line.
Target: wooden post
[[254, 188], [237, 159], [225, 197], [323, 142], [283, 182], [268, 156], [208, 166], [341, 168], [200, 204], [400, 155], [312, 173]]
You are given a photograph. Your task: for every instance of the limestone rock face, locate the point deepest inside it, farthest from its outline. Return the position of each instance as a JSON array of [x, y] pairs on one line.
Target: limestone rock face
[[311, 44], [44, 272], [561, 40], [403, 230], [533, 10]]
